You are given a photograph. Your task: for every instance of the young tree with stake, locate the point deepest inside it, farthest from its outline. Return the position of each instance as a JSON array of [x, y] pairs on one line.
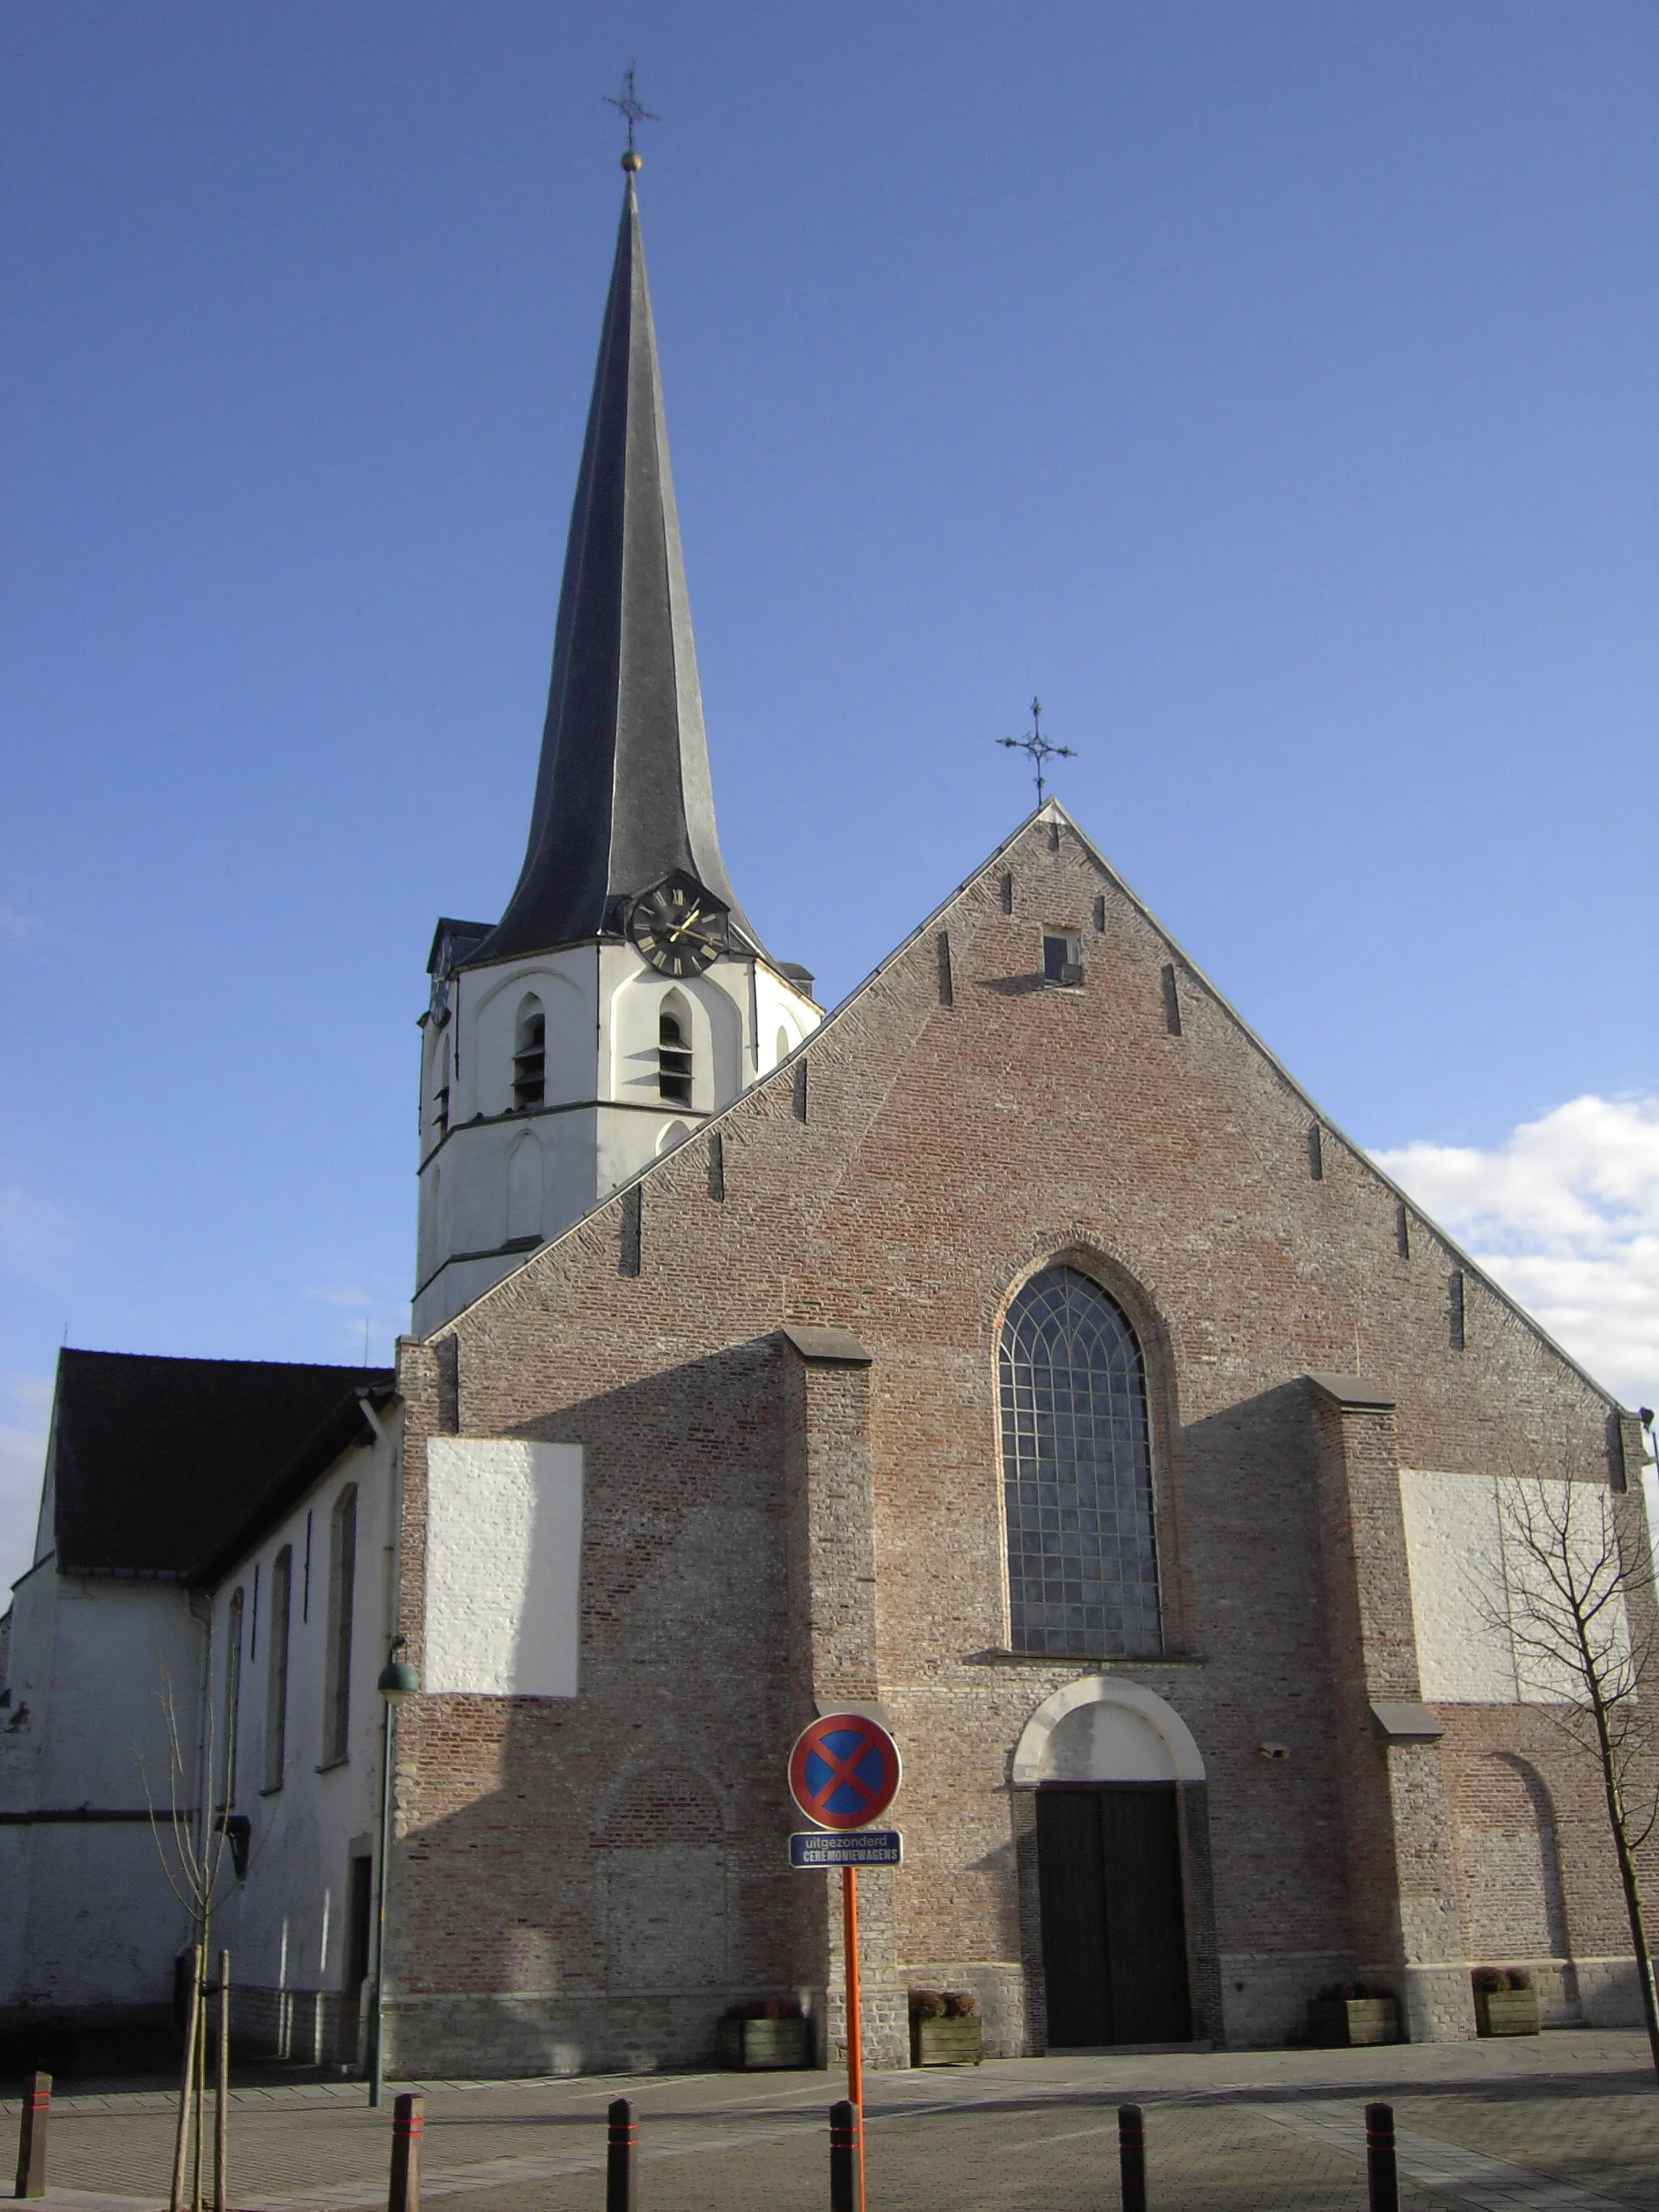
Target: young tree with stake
[[1579, 1613]]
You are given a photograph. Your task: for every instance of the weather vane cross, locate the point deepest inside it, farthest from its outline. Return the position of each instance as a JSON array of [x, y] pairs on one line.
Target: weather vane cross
[[1040, 748], [632, 111]]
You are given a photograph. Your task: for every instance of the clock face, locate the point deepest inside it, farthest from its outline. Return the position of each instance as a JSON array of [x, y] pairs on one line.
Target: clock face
[[678, 927]]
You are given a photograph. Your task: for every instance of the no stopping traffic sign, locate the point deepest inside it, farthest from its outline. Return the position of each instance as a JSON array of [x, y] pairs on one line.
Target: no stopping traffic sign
[[844, 1771]]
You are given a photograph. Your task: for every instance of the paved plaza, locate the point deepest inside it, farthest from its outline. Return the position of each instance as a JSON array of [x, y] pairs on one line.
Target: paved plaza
[[1536, 2124]]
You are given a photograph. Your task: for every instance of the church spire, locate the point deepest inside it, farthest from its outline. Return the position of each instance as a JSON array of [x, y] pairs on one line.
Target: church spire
[[623, 793]]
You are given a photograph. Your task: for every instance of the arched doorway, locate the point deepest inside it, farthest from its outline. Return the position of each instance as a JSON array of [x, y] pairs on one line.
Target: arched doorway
[[1107, 1761]]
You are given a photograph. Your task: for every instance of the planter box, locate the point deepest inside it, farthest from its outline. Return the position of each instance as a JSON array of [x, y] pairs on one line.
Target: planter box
[[947, 2042], [1506, 2012], [1337, 2021], [757, 2044]]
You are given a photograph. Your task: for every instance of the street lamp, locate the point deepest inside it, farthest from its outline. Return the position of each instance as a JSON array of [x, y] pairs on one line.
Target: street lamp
[[398, 1683]]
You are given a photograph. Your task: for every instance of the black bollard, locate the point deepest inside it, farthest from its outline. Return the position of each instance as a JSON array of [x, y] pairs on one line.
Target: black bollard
[[1381, 2180], [843, 2157], [622, 2149], [1132, 2157], [32, 2135], [407, 2121]]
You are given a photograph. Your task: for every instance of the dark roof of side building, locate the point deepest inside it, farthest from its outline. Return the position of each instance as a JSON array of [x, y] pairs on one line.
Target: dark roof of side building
[[158, 1465]]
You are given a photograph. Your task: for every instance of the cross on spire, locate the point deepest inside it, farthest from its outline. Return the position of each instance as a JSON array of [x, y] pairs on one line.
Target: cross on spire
[[631, 110], [1040, 749]]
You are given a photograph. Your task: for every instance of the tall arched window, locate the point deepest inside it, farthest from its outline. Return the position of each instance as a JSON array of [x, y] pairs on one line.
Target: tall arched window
[[232, 1700], [1076, 1473], [530, 1055], [342, 1594], [674, 1054], [281, 1595]]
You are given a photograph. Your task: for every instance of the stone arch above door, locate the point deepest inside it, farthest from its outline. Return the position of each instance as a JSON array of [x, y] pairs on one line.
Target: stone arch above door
[[1100, 1729]]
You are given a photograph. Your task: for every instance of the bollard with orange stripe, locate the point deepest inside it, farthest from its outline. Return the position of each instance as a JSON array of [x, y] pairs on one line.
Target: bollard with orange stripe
[[1381, 2179], [844, 2157], [407, 2121], [621, 2150], [32, 2135], [1132, 2157]]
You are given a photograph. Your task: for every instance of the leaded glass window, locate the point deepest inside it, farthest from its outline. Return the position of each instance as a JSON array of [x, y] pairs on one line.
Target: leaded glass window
[[1076, 1473]]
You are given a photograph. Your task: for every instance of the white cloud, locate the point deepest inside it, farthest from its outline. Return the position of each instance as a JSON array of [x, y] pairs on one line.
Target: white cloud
[[1565, 1214], [24, 1407]]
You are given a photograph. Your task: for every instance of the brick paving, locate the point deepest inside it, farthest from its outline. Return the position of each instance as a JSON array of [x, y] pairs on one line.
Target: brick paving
[[1563, 2123]]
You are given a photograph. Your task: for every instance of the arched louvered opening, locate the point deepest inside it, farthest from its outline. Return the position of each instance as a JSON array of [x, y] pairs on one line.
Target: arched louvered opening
[[1077, 1472], [674, 1062], [530, 1053], [441, 1087]]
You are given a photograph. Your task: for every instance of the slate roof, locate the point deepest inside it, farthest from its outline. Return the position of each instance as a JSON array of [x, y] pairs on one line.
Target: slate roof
[[158, 1465], [623, 793]]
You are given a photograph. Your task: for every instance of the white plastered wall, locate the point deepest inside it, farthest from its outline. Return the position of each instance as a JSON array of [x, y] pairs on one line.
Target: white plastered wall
[[503, 1567], [1469, 1575], [91, 1928]]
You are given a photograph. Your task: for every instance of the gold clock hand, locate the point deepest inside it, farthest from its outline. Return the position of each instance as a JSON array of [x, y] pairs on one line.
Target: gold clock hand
[[694, 915]]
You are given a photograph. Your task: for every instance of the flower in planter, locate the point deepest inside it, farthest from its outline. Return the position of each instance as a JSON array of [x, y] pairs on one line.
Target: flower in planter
[[1486, 1979], [1519, 1979], [927, 2004], [960, 2004]]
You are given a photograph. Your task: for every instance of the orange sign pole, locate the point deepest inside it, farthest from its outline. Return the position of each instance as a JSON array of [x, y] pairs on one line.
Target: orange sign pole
[[849, 1917]]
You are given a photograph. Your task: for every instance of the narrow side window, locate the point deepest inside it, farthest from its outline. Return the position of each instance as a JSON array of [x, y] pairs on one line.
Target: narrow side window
[[342, 1580], [281, 1589], [233, 1701]]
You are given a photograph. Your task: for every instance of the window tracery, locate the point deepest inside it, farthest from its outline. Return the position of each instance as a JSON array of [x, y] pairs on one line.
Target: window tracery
[[1077, 1472]]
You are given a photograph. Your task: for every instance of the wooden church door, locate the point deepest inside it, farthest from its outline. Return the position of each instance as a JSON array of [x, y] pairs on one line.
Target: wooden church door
[[1113, 1930]]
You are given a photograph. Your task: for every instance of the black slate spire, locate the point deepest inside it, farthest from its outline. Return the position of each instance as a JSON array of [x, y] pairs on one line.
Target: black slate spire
[[623, 793]]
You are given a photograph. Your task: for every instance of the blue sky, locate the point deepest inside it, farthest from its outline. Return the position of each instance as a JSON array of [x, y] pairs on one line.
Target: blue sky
[[1269, 387]]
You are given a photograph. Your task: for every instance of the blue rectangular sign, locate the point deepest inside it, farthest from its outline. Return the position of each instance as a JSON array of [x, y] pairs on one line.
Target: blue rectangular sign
[[816, 1847]]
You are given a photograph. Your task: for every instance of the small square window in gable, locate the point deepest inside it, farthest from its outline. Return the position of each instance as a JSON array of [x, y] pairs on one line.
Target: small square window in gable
[[1062, 957]]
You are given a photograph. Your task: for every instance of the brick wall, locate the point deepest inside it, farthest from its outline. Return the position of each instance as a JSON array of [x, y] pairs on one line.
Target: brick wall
[[763, 1532]]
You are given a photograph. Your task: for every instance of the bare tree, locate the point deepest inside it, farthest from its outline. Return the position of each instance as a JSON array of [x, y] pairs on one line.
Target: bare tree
[[1580, 1619]]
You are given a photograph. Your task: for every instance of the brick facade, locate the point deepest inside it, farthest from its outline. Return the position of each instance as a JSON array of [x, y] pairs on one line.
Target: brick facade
[[587, 1883]]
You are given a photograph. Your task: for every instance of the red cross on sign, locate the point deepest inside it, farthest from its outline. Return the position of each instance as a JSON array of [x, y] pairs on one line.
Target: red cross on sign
[[844, 1771]]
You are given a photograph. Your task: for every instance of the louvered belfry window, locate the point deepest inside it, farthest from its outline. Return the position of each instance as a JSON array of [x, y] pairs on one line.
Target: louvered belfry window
[[1077, 1474]]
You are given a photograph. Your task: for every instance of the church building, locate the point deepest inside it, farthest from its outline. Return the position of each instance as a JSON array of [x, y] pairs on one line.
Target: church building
[[1014, 1352]]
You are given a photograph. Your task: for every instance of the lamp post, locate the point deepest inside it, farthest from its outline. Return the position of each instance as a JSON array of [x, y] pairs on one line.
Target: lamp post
[[398, 1683]]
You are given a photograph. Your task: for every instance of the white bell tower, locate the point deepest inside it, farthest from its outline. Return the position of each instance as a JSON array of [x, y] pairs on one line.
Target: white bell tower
[[623, 997]]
